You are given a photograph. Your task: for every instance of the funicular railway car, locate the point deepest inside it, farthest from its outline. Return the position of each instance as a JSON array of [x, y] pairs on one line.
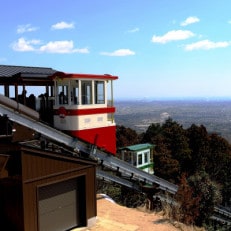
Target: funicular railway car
[[82, 109], [78, 104]]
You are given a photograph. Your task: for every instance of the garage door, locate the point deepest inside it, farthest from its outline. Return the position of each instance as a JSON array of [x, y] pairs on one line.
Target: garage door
[[58, 206]]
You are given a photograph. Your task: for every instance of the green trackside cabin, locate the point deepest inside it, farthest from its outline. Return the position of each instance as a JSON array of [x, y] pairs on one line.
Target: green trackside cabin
[[139, 155]]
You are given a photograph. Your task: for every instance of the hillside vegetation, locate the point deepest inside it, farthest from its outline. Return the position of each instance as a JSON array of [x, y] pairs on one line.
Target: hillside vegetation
[[197, 160]]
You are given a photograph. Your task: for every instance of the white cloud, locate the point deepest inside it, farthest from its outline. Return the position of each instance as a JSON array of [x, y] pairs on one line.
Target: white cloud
[[62, 25], [133, 30], [190, 20], [120, 52], [62, 47], [173, 35], [25, 28], [229, 21], [82, 50], [25, 45], [206, 45]]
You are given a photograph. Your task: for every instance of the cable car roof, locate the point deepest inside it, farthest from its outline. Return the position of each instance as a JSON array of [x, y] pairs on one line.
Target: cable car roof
[[64, 75]]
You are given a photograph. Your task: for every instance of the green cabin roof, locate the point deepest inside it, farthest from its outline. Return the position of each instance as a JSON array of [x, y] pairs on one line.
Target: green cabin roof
[[138, 147]]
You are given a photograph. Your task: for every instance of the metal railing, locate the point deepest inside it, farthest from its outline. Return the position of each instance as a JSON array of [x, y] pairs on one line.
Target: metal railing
[[78, 145]]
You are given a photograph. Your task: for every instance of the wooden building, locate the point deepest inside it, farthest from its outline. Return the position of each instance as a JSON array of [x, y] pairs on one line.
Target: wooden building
[[45, 189]]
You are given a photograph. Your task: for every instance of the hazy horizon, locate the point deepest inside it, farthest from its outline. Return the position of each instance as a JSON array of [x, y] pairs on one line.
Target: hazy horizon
[[195, 98]]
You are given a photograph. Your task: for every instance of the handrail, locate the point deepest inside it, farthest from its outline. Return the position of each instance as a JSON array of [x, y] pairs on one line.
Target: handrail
[[103, 175]]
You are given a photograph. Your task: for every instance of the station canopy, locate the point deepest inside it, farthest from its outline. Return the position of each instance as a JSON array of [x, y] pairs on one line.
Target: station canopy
[[23, 75], [39, 76]]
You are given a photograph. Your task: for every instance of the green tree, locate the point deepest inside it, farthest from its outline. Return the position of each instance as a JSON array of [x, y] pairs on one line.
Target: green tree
[[219, 163], [177, 142], [126, 136], [188, 204], [165, 166], [220, 152], [152, 134], [209, 192], [199, 145]]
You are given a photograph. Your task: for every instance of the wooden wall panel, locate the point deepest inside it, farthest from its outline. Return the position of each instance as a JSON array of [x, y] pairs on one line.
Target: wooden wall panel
[[91, 193], [39, 170], [36, 168]]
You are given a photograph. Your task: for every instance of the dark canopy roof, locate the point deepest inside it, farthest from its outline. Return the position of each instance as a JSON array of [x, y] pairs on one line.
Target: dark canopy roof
[[39, 76], [35, 76]]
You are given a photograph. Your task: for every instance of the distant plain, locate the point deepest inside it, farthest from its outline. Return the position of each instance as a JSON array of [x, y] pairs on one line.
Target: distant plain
[[215, 115]]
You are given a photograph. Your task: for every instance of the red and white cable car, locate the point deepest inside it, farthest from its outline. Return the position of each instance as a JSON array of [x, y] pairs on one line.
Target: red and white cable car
[[83, 108]]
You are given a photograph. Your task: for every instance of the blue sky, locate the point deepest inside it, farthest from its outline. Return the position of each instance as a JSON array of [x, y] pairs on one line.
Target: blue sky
[[159, 49]]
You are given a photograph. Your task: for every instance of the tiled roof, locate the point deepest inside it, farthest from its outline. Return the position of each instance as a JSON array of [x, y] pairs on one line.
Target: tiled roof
[[8, 71]]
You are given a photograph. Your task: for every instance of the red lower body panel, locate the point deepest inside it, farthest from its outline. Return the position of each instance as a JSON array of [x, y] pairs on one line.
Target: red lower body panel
[[104, 137]]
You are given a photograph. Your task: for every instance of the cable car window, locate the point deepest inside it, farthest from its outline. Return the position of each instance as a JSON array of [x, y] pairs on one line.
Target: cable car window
[[86, 91], [99, 92], [75, 92], [146, 155], [63, 94], [140, 159]]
